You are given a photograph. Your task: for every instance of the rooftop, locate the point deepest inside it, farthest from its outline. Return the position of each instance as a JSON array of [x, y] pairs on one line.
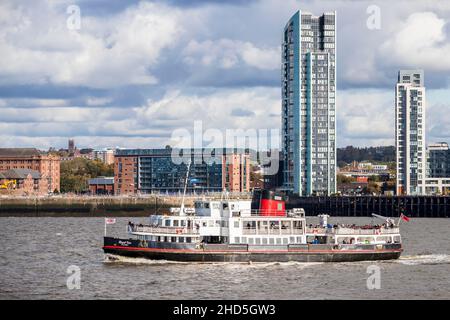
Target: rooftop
[[102, 180], [19, 174], [19, 152]]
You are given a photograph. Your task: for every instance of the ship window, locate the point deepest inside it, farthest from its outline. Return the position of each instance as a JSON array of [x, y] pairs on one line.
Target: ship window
[[225, 206], [236, 224], [215, 206], [181, 239], [285, 240], [258, 241], [182, 223], [166, 239], [236, 239], [297, 225], [278, 240], [292, 239], [173, 239], [188, 239], [244, 239], [272, 241], [299, 239], [264, 240], [167, 223], [285, 225], [251, 240], [207, 205], [175, 223], [210, 223]]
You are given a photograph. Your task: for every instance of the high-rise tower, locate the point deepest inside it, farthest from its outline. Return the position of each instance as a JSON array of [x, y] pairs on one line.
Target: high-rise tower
[[309, 104], [410, 132]]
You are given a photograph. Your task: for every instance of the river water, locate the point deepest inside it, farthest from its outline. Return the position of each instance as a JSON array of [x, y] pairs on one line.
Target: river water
[[35, 255]]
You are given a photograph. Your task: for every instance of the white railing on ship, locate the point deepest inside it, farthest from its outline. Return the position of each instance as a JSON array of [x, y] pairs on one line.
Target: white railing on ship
[[258, 212], [367, 231], [265, 231], [318, 230], [162, 230], [352, 231]]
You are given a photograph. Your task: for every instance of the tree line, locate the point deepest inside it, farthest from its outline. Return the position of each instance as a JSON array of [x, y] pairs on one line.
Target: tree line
[[76, 173]]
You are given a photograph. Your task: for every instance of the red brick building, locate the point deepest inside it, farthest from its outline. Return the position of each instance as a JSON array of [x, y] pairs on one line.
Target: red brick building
[[23, 182], [48, 165], [101, 185], [125, 175], [236, 172]]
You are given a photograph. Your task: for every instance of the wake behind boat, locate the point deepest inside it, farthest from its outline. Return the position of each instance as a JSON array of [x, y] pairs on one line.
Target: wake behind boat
[[261, 230]]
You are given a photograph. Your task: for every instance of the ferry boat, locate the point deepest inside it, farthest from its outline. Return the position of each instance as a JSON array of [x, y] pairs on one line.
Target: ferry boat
[[257, 230]]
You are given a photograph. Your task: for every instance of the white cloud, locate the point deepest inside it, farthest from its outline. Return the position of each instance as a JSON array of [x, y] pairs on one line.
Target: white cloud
[[214, 109], [104, 53], [155, 121], [419, 41], [365, 117], [93, 101], [227, 53]]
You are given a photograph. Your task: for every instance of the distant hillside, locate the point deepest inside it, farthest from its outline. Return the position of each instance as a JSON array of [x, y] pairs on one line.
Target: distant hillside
[[350, 153]]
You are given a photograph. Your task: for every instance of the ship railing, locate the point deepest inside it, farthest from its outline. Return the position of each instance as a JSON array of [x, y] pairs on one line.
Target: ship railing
[[318, 230], [352, 231], [366, 231], [271, 231], [258, 212], [164, 230]]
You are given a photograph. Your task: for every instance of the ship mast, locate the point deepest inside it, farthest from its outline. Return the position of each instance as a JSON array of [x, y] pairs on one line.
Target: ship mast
[[185, 188]]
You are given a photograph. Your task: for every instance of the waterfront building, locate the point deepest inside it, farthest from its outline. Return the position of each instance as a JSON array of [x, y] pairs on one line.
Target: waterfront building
[[47, 164], [309, 104], [101, 185], [438, 160], [437, 180], [410, 132], [23, 182], [155, 171]]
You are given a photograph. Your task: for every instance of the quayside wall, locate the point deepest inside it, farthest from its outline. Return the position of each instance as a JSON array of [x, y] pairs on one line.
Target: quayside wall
[[364, 206], [88, 206], [342, 206]]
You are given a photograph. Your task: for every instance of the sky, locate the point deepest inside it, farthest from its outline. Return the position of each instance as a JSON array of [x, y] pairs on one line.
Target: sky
[[130, 74]]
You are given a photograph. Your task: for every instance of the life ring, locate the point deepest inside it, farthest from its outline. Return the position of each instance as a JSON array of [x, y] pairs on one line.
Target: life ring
[[315, 231], [179, 231]]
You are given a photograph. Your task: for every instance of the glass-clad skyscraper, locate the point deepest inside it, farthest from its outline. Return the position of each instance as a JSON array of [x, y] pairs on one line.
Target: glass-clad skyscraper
[[309, 104], [410, 132]]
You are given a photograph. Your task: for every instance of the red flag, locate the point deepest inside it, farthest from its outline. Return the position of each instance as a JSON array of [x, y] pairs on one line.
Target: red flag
[[404, 218]]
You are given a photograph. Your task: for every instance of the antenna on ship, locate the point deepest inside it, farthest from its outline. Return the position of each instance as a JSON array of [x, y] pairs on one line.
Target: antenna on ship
[[185, 188]]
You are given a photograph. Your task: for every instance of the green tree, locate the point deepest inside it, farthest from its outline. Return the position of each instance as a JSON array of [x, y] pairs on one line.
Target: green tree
[[76, 173]]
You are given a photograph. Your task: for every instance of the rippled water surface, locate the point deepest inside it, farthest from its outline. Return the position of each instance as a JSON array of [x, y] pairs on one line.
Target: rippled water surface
[[35, 254]]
